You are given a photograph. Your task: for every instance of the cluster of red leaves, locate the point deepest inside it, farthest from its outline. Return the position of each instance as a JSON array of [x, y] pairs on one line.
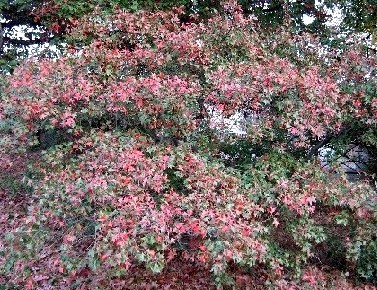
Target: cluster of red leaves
[[155, 71], [114, 205], [75, 97], [140, 216]]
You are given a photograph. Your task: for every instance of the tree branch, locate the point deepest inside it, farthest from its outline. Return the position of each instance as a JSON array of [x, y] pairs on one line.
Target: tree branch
[[314, 150], [19, 20], [25, 42]]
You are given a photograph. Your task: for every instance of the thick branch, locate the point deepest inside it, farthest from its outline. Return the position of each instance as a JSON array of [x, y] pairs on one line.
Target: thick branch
[[20, 20], [25, 42], [314, 150]]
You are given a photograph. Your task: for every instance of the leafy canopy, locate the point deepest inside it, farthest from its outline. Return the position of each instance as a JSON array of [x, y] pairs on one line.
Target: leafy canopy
[[141, 173]]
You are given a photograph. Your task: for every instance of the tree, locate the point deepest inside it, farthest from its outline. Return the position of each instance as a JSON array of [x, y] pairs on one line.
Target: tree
[[139, 176]]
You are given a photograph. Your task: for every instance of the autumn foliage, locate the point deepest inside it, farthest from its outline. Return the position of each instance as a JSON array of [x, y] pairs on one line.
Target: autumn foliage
[[137, 175]]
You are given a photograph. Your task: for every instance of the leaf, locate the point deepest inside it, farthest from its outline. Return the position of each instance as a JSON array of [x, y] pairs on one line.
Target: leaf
[[93, 261], [156, 267], [9, 263], [134, 6]]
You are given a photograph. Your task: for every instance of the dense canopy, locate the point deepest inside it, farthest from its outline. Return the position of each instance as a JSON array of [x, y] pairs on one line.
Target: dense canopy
[[134, 170]]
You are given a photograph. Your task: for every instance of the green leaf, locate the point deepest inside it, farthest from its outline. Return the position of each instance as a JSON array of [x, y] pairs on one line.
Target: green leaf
[[134, 6], [93, 262], [9, 263]]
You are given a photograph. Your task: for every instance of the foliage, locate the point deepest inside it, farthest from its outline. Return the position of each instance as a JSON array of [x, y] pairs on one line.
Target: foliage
[[49, 21], [139, 174]]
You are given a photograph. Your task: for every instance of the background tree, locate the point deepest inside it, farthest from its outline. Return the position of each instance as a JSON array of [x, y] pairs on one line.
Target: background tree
[[47, 21]]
